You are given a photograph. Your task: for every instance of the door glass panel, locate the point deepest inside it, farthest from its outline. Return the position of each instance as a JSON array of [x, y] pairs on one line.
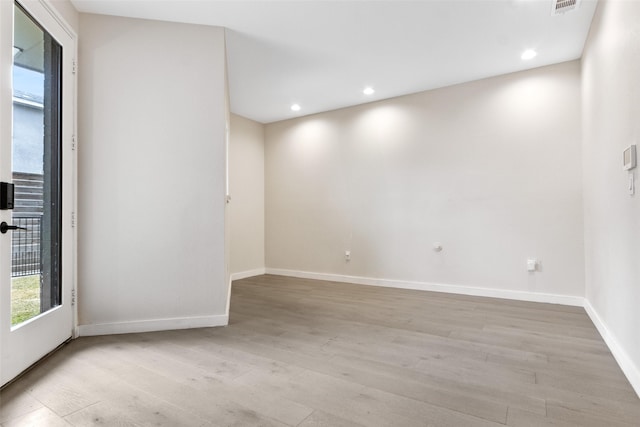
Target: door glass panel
[[35, 264]]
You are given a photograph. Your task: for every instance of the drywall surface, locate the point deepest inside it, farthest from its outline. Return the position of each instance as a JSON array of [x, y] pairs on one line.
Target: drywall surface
[[151, 175], [246, 186], [611, 122], [490, 169]]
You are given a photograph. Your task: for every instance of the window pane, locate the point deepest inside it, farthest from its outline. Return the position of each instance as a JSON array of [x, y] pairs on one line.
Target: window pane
[[36, 170]]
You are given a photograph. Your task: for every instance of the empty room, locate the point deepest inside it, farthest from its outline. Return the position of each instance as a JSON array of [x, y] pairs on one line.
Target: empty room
[[319, 213]]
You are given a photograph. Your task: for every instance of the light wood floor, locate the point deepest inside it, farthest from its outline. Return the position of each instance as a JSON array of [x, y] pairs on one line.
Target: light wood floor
[[310, 353]]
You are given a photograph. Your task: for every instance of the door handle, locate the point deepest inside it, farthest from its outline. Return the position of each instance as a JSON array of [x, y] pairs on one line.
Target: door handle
[[4, 227]]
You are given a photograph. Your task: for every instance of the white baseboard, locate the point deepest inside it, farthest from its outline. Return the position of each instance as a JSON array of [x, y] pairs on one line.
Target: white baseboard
[[153, 325], [249, 273], [436, 287], [631, 371]]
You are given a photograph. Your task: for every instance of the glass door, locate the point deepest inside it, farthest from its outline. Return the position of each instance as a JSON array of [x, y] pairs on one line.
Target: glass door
[[36, 247]]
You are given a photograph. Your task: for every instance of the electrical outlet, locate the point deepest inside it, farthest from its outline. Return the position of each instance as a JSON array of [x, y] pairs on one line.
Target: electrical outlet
[[347, 255]]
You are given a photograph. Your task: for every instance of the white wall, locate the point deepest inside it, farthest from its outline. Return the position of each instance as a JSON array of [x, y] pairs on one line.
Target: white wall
[[611, 121], [491, 169], [151, 175], [246, 185]]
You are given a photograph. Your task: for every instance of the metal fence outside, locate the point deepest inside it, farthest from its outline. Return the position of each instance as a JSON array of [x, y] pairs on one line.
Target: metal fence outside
[[25, 246]]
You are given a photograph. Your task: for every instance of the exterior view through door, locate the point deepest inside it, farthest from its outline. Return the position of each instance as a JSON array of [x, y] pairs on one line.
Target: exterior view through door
[[36, 243]]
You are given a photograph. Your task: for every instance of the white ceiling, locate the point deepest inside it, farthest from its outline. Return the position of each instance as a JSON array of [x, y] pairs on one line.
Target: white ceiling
[[321, 54]]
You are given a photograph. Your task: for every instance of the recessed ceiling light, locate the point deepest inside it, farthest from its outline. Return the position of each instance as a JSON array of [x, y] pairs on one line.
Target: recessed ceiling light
[[528, 54], [295, 107], [368, 90]]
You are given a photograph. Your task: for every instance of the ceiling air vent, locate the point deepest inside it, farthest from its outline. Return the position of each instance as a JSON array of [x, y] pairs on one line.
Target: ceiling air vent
[[558, 7]]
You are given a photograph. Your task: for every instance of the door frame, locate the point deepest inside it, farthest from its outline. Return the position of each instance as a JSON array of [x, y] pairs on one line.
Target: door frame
[[46, 15]]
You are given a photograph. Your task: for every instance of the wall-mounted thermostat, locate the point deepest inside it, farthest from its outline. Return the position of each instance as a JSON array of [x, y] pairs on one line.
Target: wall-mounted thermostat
[[629, 157]]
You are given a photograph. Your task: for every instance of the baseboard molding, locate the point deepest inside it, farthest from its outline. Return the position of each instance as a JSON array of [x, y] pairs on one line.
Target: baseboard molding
[[152, 325], [249, 273], [631, 371], [435, 287]]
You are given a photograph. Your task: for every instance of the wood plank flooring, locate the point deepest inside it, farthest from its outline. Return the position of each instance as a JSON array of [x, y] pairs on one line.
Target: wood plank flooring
[[311, 353]]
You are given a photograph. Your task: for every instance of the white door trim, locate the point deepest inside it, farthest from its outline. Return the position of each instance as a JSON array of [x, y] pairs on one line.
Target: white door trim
[[60, 323]]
